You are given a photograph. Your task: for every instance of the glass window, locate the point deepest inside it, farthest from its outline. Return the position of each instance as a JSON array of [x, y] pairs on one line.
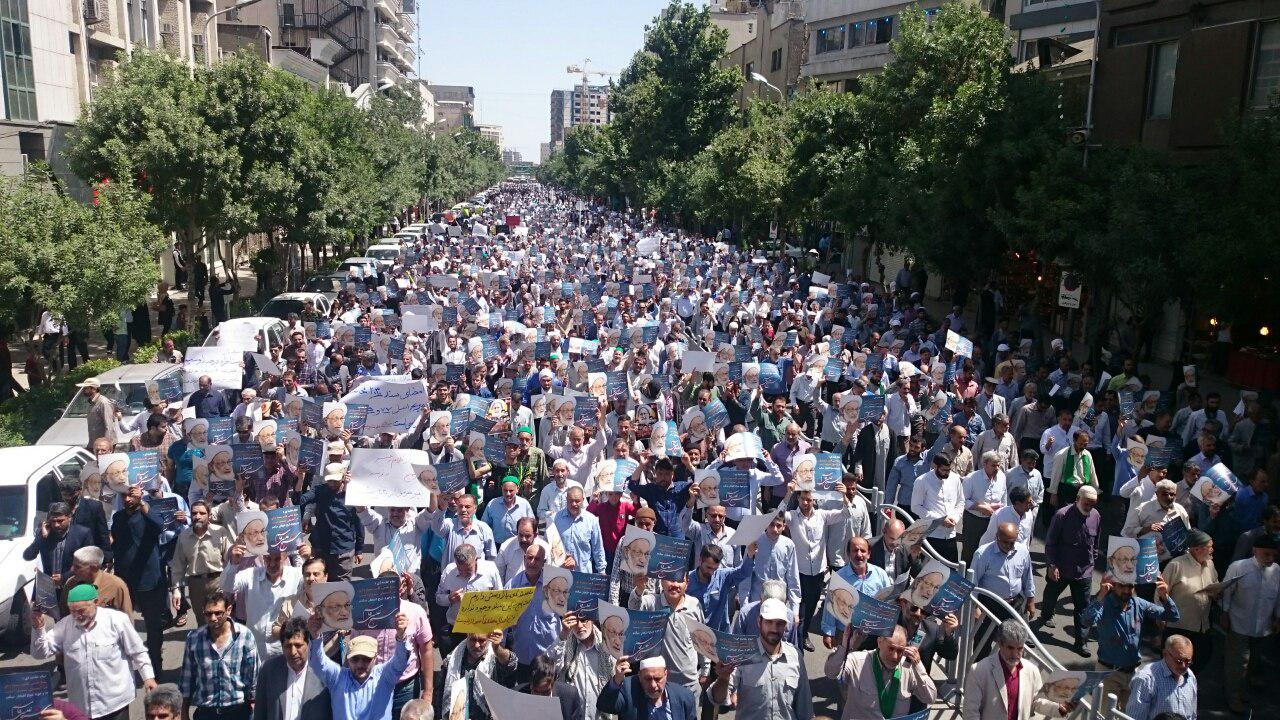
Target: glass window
[[884, 30], [857, 34], [1266, 65], [70, 468], [830, 39], [1164, 65], [13, 511], [15, 44]]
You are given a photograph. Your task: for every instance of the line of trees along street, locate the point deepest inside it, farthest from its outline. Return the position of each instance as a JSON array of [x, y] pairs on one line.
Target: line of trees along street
[[948, 154]]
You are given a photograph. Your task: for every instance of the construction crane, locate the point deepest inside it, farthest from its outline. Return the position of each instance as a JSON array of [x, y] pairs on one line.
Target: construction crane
[[581, 69]]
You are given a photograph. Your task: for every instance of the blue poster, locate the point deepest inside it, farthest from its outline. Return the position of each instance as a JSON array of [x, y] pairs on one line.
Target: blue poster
[[717, 416], [1160, 457], [670, 557], [1086, 686], [495, 449], [144, 466], [454, 372], [220, 490], [44, 596], [169, 387], [737, 649], [596, 365], [324, 330], [771, 380], [284, 426], [1174, 535], [363, 335], [376, 603], [875, 617], [623, 469], [542, 350], [939, 421], [1148, 560], [872, 408], [452, 476], [742, 353], [489, 347], [448, 317], [586, 412], [671, 440], [312, 414], [284, 529], [587, 590], [311, 454], [1127, 404], [395, 351], [470, 304], [950, 597], [735, 372], [828, 471], [220, 430], [24, 695], [644, 631], [616, 384], [246, 458], [355, 418], [459, 421], [482, 425], [833, 369], [162, 509], [735, 487]]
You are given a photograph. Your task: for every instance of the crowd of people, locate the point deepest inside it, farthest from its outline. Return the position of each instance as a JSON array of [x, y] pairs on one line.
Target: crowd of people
[[622, 378]]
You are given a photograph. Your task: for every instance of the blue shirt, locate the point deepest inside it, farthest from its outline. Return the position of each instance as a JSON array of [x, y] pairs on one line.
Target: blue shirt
[[502, 520], [351, 699], [1154, 690], [1117, 630], [537, 629], [1006, 575], [209, 403], [478, 536], [714, 594], [666, 503], [581, 539], [1246, 509], [776, 560], [873, 582], [902, 479]]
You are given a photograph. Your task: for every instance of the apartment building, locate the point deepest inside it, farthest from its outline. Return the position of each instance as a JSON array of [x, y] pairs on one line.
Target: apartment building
[[361, 42], [492, 133], [850, 38], [455, 105], [776, 50]]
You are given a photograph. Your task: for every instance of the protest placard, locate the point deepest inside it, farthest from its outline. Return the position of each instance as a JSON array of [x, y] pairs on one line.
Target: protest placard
[[44, 596], [1122, 559], [750, 527], [828, 472], [390, 478], [950, 597], [670, 557], [376, 603], [635, 549], [394, 403], [484, 611], [162, 510], [224, 366], [1174, 536], [24, 695], [311, 454], [144, 467], [771, 383], [1148, 568], [246, 458], [723, 647], [871, 409], [452, 476], [284, 528], [507, 704]]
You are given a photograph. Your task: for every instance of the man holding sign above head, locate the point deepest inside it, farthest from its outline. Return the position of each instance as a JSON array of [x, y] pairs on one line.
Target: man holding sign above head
[[361, 690], [1116, 616]]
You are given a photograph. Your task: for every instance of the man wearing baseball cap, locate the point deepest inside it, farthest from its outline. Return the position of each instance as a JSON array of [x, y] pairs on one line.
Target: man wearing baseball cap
[[361, 690], [779, 682]]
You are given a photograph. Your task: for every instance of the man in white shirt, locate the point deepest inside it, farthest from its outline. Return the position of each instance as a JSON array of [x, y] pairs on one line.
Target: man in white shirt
[[938, 494], [984, 494], [1020, 511], [551, 499], [899, 409], [1152, 515], [258, 592], [100, 651], [511, 555], [1055, 438], [1251, 612], [578, 455], [807, 527], [465, 574], [1212, 410]]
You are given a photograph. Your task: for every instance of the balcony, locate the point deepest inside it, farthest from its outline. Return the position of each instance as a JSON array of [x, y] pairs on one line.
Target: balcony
[[387, 9], [388, 73], [387, 38], [408, 56], [408, 27]]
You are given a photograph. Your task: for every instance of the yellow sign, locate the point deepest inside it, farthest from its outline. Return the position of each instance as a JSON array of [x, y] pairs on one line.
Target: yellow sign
[[484, 611]]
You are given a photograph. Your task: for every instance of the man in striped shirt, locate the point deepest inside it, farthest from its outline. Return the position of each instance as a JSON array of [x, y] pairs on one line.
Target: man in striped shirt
[[219, 665]]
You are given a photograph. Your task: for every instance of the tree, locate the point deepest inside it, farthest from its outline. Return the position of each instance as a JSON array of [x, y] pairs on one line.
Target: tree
[[84, 263], [670, 102], [743, 175]]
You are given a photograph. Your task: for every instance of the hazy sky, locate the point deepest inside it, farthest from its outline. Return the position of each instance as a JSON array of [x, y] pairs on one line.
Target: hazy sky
[[514, 53]]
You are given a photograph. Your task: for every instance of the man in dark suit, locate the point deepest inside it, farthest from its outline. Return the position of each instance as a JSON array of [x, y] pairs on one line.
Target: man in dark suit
[[542, 681], [86, 512], [57, 541], [888, 552], [277, 698], [634, 698]]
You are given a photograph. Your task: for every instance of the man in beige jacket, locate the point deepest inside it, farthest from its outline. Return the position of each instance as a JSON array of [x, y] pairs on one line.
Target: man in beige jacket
[[988, 688]]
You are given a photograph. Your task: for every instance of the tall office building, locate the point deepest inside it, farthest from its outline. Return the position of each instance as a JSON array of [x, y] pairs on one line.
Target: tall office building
[[583, 105]]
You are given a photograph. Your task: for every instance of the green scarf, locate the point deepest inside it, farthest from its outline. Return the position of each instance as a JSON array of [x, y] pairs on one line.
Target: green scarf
[[1069, 469], [888, 694]]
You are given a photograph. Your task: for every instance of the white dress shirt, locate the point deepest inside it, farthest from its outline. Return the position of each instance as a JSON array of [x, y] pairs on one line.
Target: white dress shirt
[[100, 660], [260, 598], [1251, 602], [511, 557], [293, 694], [933, 497], [1008, 514], [809, 534], [485, 577]]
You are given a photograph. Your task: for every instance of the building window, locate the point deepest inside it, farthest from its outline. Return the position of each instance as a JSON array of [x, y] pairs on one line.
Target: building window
[[1164, 65], [748, 70], [830, 39], [775, 60], [857, 34], [1266, 65], [883, 30], [19, 73]]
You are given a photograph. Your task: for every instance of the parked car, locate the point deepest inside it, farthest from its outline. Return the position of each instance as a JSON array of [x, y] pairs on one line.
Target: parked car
[[253, 334], [367, 266], [31, 474], [385, 255], [327, 285], [283, 304], [125, 385]]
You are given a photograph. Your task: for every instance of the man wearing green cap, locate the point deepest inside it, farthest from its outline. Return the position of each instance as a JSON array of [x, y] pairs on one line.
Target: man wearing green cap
[[100, 651], [502, 513]]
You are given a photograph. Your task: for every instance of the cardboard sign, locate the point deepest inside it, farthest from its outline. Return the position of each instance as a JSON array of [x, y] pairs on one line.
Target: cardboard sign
[[484, 611]]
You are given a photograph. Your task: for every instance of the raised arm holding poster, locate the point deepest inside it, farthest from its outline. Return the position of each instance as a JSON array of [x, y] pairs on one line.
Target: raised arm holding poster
[[751, 527], [376, 603]]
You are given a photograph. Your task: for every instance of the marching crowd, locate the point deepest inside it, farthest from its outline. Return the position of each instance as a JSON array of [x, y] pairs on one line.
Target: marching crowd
[[600, 377]]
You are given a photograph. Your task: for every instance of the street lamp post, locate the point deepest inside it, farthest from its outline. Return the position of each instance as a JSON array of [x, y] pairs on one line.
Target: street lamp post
[[208, 28], [782, 97]]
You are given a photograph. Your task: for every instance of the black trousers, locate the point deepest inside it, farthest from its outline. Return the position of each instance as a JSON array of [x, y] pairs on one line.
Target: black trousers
[[1079, 599], [997, 616], [810, 592], [227, 712], [153, 606], [945, 548], [1202, 642]]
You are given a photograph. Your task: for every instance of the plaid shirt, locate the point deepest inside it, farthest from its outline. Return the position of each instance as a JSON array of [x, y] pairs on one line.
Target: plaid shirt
[[219, 678]]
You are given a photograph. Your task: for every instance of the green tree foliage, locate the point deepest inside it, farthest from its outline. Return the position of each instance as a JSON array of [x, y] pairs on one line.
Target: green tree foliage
[[83, 263], [743, 175]]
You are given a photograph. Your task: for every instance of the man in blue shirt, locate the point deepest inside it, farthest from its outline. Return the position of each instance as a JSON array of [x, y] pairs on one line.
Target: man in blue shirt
[[361, 690], [903, 474], [580, 534], [1116, 617], [538, 628], [665, 496], [863, 576], [502, 513], [207, 401], [713, 585], [1165, 686]]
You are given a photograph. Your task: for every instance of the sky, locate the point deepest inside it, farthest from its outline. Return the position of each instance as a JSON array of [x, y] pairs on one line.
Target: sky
[[514, 53]]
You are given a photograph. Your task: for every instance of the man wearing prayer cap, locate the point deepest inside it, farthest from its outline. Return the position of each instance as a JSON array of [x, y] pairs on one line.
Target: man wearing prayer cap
[[1189, 577], [639, 697]]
